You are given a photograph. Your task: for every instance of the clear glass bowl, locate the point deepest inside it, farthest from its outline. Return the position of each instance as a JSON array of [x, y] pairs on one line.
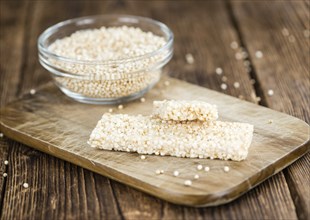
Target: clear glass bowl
[[105, 81]]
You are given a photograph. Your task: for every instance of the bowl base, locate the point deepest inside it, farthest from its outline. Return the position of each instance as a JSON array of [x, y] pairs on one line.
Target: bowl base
[[104, 101]]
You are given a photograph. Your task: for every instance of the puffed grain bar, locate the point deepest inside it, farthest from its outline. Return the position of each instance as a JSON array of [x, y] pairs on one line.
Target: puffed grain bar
[[184, 110], [194, 139]]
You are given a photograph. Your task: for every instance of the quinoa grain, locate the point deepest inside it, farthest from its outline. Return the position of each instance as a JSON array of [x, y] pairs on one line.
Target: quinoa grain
[[102, 46]]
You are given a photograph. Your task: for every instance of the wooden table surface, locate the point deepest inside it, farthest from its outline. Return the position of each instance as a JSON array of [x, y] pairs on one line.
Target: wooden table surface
[[206, 29]]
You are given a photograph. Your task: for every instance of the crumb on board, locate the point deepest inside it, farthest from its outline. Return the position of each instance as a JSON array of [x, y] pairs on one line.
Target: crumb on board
[[187, 182], [176, 173], [199, 167], [226, 169]]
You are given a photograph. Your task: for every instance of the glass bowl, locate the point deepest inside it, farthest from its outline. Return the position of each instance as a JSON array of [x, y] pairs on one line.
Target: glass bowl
[[108, 81]]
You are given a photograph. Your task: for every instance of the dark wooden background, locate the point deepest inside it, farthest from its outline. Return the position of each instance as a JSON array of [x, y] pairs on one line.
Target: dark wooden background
[[58, 189]]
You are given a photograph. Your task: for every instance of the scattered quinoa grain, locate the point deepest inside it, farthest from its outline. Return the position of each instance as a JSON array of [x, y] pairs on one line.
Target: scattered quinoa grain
[[189, 58], [270, 121], [226, 168], [5, 174], [25, 185], [110, 110], [161, 171], [270, 92], [184, 110], [244, 54], [207, 169], [167, 83], [187, 182], [223, 86], [157, 172], [246, 63], [285, 32], [196, 177], [142, 157], [234, 45], [219, 70], [307, 33], [238, 56], [6, 162], [224, 78], [1, 135], [120, 107], [32, 91], [199, 167], [259, 54], [142, 100], [236, 85], [291, 39], [176, 173]]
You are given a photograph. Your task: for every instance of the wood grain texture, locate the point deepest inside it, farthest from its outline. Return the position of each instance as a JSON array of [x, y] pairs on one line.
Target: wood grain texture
[[270, 200], [12, 15], [284, 68], [52, 123]]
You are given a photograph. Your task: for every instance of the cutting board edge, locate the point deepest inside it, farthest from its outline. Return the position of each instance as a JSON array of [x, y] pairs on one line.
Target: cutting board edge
[[203, 200]]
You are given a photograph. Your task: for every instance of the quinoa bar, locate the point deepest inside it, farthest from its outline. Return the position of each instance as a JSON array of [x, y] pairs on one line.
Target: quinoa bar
[[184, 110], [194, 139]]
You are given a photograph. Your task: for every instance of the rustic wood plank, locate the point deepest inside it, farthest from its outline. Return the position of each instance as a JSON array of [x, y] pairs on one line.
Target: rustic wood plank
[[284, 68], [57, 189], [64, 198], [12, 16]]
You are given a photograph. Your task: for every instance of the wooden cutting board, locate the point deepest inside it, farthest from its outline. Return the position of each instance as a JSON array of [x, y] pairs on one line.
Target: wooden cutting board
[[52, 123]]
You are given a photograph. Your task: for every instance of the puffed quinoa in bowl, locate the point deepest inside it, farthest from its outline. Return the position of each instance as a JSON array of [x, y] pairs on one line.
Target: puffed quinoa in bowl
[[106, 59]]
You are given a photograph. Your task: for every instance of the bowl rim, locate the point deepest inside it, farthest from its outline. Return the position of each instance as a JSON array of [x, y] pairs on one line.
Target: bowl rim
[[51, 30]]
